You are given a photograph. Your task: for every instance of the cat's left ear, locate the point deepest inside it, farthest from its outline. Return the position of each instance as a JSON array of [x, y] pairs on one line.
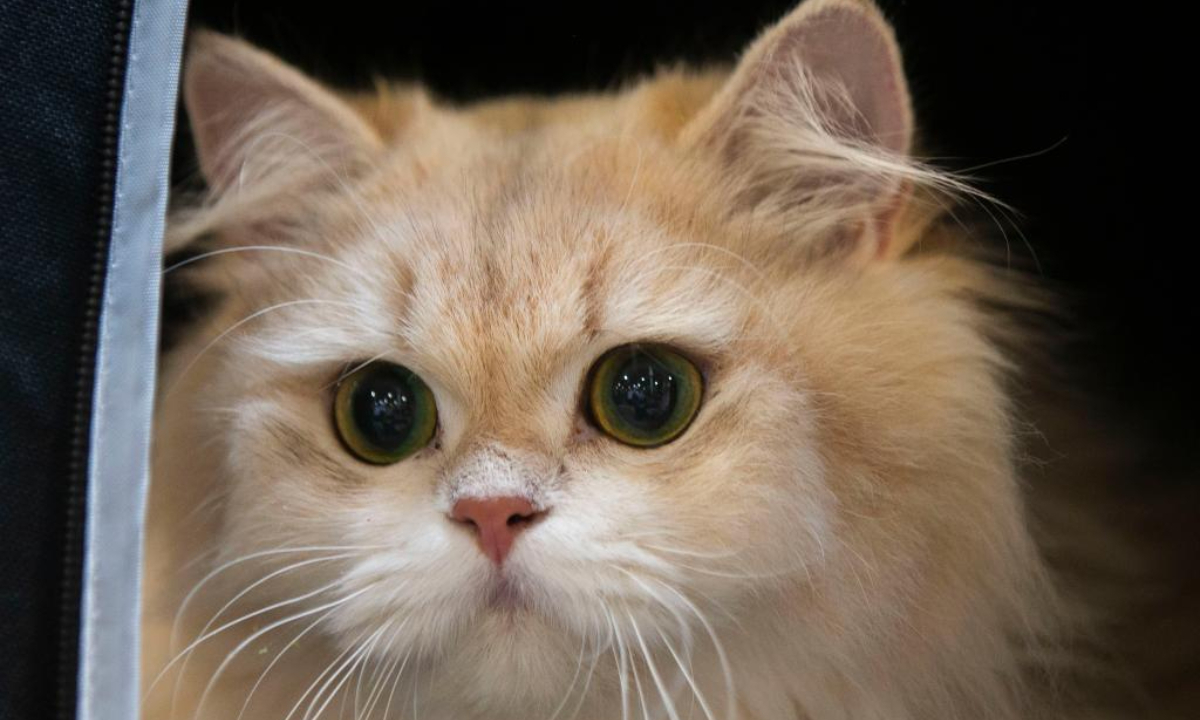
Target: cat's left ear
[[815, 126]]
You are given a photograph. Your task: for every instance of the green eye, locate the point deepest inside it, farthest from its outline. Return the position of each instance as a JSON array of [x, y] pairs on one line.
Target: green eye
[[644, 395], [384, 413]]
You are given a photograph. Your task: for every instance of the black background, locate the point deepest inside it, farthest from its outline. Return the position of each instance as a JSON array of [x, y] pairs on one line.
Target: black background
[[993, 80]]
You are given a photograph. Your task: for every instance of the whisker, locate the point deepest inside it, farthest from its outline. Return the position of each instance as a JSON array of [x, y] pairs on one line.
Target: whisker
[[204, 631], [637, 684], [345, 671], [416, 686], [321, 675], [254, 636], [355, 369], [574, 678], [187, 600], [348, 665], [726, 668], [691, 553], [262, 677], [658, 683], [688, 676], [276, 573], [588, 682], [257, 248], [380, 680], [731, 575], [618, 652], [252, 316], [367, 658], [186, 652], [684, 631], [202, 557], [387, 709]]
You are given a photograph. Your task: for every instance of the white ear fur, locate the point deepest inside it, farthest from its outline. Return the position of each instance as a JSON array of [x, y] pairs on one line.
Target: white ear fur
[[816, 117], [253, 116]]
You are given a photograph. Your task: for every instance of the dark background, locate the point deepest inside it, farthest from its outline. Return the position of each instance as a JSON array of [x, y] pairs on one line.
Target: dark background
[[993, 80]]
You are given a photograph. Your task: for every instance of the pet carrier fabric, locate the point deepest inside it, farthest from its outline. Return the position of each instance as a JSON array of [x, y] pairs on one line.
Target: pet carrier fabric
[[87, 116]]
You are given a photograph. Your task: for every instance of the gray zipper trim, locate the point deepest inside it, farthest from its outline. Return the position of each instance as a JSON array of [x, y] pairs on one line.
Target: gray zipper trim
[[126, 361]]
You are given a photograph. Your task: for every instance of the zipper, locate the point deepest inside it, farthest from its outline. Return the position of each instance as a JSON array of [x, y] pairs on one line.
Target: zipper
[[76, 491]]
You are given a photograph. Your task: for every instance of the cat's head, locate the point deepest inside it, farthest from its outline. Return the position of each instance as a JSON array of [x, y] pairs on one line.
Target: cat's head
[[528, 382]]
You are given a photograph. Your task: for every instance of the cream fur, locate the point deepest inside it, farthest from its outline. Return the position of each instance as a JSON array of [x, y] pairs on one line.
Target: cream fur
[[841, 533]]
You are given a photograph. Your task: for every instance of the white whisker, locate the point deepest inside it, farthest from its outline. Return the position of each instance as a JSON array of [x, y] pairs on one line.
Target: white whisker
[[683, 668], [387, 709], [205, 630], [637, 685], [258, 248], [252, 316], [345, 671], [186, 652], [380, 680], [321, 675], [254, 636], [726, 668], [367, 657], [574, 679], [618, 653], [224, 567], [262, 677], [588, 682], [650, 665]]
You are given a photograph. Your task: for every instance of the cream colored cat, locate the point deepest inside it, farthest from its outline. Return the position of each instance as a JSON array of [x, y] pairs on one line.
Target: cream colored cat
[[677, 402]]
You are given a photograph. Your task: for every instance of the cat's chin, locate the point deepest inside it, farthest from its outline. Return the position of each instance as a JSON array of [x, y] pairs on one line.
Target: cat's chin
[[514, 657]]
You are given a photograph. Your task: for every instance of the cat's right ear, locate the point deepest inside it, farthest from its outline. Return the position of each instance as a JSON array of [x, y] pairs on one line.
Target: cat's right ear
[[254, 118]]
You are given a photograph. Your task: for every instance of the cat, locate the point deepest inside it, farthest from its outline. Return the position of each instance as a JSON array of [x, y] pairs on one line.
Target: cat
[[684, 401]]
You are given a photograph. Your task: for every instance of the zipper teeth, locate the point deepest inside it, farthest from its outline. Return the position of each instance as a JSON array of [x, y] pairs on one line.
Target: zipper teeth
[[72, 555]]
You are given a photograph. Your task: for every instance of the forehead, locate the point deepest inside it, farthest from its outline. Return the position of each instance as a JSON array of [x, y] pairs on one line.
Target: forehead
[[515, 264]]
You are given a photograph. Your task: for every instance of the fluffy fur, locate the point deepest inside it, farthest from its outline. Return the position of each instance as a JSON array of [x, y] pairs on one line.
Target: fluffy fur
[[840, 534]]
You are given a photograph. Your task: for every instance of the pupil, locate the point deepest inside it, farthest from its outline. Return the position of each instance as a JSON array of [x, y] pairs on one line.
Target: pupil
[[384, 409], [643, 393]]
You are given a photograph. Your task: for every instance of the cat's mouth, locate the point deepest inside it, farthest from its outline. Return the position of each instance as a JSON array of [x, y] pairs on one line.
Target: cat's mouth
[[506, 595]]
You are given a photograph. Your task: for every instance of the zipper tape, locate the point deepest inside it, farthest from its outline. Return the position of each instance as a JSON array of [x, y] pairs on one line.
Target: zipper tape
[[125, 366]]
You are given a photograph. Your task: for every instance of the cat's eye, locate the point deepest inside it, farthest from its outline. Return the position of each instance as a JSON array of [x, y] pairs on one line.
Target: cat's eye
[[644, 395], [384, 413]]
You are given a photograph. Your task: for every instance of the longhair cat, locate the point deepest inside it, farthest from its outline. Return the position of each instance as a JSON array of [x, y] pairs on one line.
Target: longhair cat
[[683, 401]]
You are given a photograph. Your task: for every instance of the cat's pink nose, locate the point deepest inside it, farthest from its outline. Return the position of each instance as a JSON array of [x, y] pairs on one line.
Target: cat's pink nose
[[496, 522]]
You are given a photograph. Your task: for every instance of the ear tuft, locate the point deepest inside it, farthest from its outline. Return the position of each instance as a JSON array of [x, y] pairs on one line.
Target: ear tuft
[[815, 124], [253, 117]]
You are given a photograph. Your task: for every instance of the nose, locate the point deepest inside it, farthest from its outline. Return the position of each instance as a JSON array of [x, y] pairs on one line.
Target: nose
[[496, 521]]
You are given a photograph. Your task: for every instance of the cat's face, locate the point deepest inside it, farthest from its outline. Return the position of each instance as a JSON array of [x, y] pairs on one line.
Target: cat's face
[[498, 254], [502, 298]]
